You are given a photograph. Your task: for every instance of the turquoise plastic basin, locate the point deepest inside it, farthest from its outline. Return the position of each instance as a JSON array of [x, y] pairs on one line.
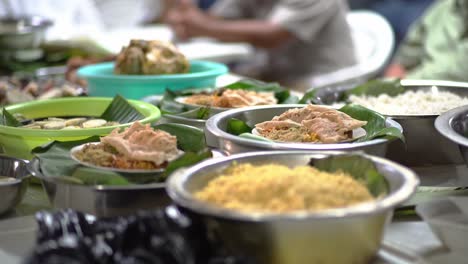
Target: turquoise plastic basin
[[103, 82]]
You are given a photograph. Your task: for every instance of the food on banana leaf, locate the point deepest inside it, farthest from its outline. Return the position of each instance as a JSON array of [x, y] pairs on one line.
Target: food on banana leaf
[[142, 57], [313, 123], [137, 147], [229, 98], [68, 123]]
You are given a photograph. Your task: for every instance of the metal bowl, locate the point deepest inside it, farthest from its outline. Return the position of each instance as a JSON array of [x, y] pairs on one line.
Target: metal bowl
[[22, 32], [13, 191], [356, 232], [424, 145], [453, 125], [99, 200], [216, 135]]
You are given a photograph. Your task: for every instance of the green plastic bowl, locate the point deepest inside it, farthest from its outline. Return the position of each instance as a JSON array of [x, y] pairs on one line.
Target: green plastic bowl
[[103, 82], [18, 142]]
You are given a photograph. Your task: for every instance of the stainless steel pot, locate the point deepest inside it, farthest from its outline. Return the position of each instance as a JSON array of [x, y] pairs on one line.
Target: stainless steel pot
[[424, 145], [345, 235], [12, 192], [99, 200], [453, 125], [216, 135]]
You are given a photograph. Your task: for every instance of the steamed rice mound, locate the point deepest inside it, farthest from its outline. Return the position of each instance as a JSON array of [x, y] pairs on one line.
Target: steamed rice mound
[[278, 189]]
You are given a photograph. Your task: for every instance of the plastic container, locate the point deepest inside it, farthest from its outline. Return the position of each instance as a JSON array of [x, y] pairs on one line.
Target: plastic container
[[18, 142], [103, 82]]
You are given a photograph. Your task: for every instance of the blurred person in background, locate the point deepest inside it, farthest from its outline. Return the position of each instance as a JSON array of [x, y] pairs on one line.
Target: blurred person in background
[[399, 13], [436, 46], [295, 39], [80, 17]]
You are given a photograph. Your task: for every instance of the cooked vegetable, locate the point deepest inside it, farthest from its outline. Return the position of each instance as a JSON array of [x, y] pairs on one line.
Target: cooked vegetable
[[68, 123], [150, 57]]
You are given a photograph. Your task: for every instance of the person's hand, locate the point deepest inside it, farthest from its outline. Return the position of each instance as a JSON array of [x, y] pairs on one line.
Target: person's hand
[[187, 20], [395, 71]]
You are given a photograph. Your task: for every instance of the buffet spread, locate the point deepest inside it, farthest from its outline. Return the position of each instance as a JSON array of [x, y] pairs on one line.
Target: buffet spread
[[135, 177]]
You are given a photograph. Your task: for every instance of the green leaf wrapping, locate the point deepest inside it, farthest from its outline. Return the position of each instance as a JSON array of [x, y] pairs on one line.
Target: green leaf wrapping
[[236, 127], [120, 110], [359, 167], [56, 162], [375, 126], [377, 87], [7, 119]]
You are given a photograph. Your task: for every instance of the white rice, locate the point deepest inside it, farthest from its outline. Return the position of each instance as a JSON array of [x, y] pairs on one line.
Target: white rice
[[429, 102]]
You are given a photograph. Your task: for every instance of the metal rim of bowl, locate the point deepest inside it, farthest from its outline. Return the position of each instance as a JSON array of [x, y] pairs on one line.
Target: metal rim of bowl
[[212, 127], [215, 69], [42, 24], [20, 179], [443, 124], [81, 132], [182, 197]]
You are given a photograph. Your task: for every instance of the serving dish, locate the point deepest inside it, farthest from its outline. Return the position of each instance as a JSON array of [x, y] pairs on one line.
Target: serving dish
[[218, 137], [297, 237], [175, 110], [424, 146], [104, 191], [453, 125], [12, 191], [103, 82], [19, 141]]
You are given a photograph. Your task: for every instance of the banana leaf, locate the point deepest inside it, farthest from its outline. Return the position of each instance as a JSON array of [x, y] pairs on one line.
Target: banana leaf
[[169, 105], [7, 119], [119, 110], [375, 127], [359, 167], [122, 111], [376, 87], [55, 160]]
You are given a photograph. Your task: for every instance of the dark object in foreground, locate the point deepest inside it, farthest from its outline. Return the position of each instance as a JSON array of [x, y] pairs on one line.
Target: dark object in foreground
[[163, 236]]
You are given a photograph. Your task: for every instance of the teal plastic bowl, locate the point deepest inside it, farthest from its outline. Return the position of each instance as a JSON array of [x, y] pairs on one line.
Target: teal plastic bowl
[[103, 82]]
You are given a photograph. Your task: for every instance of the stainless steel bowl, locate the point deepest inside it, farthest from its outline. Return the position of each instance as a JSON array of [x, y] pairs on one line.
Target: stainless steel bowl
[[101, 201], [21, 33], [12, 192], [424, 145], [216, 135], [346, 235], [453, 125]]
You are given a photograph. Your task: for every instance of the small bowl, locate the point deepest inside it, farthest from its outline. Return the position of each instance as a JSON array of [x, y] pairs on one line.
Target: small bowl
[[12, 191], [217, 136], [296, 237], [453, 125], [18, 142], [418, 129], [22, 33], [103, 82]]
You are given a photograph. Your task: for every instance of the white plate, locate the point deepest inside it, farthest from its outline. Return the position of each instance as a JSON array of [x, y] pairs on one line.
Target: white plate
[[78, 148], [357, 133]]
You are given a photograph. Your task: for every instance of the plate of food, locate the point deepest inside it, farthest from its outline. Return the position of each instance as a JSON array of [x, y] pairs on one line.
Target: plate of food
[[415, 104], [126, 168]]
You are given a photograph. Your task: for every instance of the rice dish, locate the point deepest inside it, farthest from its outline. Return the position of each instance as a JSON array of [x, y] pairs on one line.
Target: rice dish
[[278, 189], [431, 102]]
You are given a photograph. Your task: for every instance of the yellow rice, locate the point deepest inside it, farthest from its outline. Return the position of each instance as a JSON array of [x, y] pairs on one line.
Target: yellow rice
[[277, 188]]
